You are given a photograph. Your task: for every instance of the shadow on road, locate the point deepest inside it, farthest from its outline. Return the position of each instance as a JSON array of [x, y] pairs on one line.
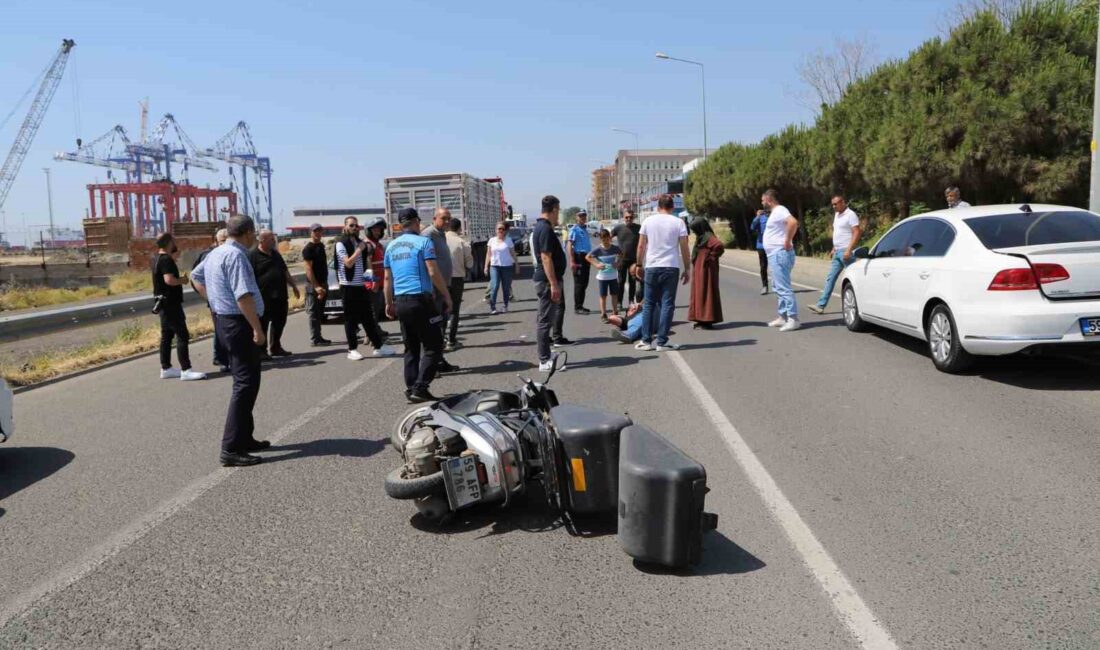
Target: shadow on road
[[21, 467], [346, 447], [721, 556], [832, 322], [515, 343], [504, 366], [610, 362], [717, 344], [735, 324]]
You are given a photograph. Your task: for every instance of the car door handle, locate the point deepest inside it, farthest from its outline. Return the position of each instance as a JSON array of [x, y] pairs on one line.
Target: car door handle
[[924, 275]]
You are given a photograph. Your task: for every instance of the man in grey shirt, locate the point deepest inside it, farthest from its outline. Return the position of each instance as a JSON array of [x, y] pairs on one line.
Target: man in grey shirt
[[437, 232], [226, 279]]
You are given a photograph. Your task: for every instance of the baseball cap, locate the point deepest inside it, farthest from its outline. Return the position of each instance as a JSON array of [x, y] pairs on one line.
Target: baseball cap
[[315, 226], [408, 214]]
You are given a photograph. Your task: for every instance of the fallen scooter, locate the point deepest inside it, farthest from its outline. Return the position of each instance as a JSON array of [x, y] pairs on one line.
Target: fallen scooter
[[489, 446]]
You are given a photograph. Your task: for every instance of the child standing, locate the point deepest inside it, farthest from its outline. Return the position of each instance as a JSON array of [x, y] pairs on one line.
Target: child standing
[[606, 259]]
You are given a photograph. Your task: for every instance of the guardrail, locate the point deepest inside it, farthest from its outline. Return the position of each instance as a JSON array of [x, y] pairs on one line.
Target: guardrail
[[20, 326]]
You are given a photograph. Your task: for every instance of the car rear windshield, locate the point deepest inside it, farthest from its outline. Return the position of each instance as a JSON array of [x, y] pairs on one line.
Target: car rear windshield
[[1035, 228]]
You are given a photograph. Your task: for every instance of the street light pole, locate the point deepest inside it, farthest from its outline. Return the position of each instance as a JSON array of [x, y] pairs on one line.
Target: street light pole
[[637, 161], [1094, 180], [703, 78]]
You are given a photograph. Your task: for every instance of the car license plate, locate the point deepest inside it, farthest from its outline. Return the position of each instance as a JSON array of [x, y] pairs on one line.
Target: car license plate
[[461, 475], [334, 303], [1090, 326]]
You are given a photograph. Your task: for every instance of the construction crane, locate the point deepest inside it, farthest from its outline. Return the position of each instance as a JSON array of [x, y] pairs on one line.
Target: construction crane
[[33, 120], [111, 150], [236, 148], [184, 151]]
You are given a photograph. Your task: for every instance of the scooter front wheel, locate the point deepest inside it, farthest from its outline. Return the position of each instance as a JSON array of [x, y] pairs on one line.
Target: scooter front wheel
[[398, 486]]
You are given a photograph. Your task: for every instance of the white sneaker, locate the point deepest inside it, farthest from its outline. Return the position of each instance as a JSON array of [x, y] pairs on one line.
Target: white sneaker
[[171, 373], [667, 347], [764, 291], [384, 351], [355, 355], [791, 325], [192, 375], [493, 312], [643, 346], [545, 366], [504, 310], [779, 322]]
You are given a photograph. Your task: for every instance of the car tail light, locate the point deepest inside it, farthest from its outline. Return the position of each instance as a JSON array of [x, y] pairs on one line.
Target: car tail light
[[1026, 279]]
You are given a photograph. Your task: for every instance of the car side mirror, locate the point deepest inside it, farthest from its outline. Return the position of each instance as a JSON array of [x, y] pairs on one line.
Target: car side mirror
[[862, 253]]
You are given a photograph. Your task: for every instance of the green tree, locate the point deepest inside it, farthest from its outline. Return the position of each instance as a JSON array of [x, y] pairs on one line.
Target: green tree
[[569, 215]]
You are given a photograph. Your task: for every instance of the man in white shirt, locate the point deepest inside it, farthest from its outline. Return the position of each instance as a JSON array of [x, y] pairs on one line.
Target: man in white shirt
[[778, 239], [663, 255], [846, 234], [954, 198]]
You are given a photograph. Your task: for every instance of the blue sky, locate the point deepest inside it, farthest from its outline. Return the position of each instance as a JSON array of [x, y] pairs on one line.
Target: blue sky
[[342, 94]]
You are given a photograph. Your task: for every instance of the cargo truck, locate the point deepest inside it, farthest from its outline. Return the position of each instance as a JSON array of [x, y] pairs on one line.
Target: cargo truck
[[478, 202]]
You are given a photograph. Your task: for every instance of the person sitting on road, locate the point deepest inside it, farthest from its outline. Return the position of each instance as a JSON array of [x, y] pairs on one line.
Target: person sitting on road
[[628, 328]]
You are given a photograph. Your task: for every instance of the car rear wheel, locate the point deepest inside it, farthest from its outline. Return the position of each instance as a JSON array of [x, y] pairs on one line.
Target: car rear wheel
[[944, 343], [850, 308]]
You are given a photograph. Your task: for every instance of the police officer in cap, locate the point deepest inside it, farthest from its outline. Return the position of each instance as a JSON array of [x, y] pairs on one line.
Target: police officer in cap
[[411, 276]]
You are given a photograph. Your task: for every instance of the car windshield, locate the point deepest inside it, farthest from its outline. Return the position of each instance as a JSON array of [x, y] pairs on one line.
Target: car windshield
[[1035, 228]]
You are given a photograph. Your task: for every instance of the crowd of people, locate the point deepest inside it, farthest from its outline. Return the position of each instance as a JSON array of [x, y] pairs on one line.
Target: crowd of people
[[418, 279]]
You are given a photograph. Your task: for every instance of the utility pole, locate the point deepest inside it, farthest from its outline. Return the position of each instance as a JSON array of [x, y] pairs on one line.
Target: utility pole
[[49, 200], [1094, 180]]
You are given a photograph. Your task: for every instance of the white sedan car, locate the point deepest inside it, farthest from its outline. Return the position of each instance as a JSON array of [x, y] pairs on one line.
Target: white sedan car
[[987, 280], [7, 422]]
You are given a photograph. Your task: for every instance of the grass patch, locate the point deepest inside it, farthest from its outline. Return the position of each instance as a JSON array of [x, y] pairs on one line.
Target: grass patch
[[31, 297]]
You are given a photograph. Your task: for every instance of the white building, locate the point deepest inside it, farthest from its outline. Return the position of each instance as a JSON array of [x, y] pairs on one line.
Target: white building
[[332, 218], [637, 170]]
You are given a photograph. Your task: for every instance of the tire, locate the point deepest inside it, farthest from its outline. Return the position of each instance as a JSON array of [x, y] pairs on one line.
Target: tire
[[399, 487], [850, 309], [402, 428], [944, 344]]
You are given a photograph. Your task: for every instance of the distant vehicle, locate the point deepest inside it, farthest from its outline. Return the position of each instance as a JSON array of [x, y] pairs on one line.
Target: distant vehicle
[[479, 203], [519, 233], [989, 280], [7, 417]]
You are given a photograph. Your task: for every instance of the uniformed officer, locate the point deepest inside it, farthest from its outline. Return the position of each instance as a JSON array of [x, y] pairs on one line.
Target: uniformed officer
[[226, 279], [411, 276]]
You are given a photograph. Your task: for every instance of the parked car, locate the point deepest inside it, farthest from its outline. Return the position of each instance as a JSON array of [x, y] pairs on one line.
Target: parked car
[[989, 280], [7, 418]]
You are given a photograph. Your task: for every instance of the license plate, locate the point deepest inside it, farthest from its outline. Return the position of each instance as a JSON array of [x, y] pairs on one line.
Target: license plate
[[1090, 326], [334, 303], [461, 479]]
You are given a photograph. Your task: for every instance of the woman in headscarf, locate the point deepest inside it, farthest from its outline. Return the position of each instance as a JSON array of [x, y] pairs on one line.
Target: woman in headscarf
[[706, 303]]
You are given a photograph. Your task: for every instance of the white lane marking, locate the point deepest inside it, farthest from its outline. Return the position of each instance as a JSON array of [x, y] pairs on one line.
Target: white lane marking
[[797, 284], [145, 524], [849, 607]]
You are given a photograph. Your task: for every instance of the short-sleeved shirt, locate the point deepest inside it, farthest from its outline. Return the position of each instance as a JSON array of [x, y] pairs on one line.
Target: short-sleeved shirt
[[843, 222], [627, 234], [775, 231], [502, 253], [662, 234], [165, 265], [227, 275], [406, 258], [345, 248], [271, 273], [607, 256], [442, 251], [545, 240], [317, 258], [582, 241]]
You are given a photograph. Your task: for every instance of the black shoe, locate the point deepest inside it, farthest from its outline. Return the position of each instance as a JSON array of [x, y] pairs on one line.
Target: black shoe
[[257, 445], [239, 459], [419, 396], [319, 343], [447, 367], [562, 342], [225, 369], [264, 356], [582, 311], [281, 353]]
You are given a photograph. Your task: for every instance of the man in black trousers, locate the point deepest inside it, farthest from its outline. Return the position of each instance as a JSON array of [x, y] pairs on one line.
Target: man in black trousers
[[225, 278], [272, 275]]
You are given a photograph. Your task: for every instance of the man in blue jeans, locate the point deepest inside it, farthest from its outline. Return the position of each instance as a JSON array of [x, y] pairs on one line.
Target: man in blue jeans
[[779, 235], [846, 233], [663, 255]]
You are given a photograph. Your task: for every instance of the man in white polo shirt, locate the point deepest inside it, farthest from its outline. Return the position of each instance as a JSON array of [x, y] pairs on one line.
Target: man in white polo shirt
[[846, 234], [779, 235], [663, 255]]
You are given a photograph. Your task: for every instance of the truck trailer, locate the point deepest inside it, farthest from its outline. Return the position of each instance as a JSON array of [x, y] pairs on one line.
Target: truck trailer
[[478, 202]]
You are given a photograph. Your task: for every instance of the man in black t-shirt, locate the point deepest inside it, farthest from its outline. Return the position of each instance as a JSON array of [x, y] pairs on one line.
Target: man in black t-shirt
[[168, 294], [548, 276], [272, 277], [315, 261], [627, 234]]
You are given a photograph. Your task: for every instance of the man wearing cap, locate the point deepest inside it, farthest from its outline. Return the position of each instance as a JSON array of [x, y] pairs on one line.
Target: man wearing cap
[[315, 261], [578, 246], [437, 232], [375, 230], [351, 256], [413, 281]]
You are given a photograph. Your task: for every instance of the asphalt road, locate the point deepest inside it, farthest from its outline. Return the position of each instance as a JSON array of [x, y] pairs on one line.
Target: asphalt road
[[960, 510]]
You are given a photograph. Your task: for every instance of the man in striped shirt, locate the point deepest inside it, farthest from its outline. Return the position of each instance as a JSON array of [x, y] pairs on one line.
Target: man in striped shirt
[[351, 255]]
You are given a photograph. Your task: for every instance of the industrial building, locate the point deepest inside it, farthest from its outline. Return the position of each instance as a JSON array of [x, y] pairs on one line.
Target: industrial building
[[637, 170], [332, 218]]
